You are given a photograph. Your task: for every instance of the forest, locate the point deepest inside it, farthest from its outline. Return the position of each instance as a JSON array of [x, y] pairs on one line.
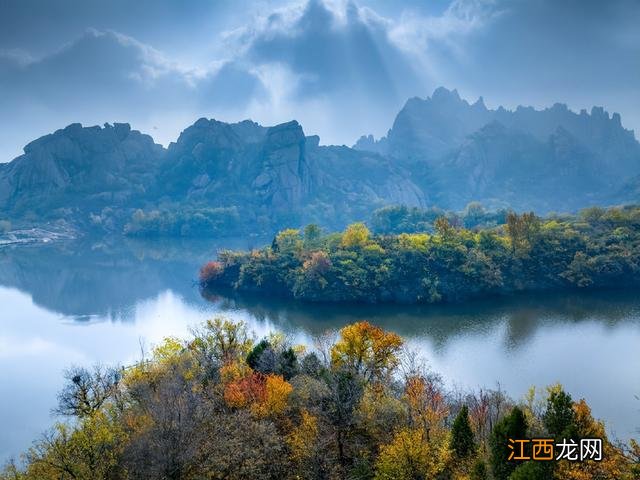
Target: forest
[[358, 404], [445, 258]]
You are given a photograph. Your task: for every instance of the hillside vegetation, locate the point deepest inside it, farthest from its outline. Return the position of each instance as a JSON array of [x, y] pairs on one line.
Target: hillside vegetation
[[359, 406], [599, 248]]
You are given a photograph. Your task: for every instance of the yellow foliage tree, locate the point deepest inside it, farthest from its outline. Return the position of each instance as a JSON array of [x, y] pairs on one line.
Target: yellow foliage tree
[[356, 235], [614, 466], [366, 349], [302, 439], [276, 394], [410, 456], [89, 452]]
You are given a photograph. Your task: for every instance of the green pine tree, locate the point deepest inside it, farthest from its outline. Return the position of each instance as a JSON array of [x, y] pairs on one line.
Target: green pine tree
[[462, 441], [512, 426], [559, 417]]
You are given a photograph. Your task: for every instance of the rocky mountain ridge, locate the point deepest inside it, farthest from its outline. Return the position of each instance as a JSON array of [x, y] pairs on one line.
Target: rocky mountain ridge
[[220, 177], [271, 176], [550, 159]]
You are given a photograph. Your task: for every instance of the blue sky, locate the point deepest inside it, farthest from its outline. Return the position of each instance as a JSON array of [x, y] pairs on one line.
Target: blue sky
[[342, 68]]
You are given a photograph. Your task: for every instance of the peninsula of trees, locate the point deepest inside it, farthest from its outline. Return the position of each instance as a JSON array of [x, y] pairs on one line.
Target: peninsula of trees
[[442, 261], [358, 405]]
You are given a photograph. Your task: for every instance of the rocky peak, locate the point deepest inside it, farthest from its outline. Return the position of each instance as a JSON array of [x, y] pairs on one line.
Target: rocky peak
[[285, 135], [249, 131], [208, 133], [109, 158]]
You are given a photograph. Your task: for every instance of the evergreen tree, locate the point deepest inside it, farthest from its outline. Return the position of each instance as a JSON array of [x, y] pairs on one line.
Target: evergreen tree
[[559, 417], [479, 471], [254, 356], [512, 426], [533, 471], [462, 441]]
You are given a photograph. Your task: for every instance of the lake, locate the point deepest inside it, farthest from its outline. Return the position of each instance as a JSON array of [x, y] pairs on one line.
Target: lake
[[83, 302]]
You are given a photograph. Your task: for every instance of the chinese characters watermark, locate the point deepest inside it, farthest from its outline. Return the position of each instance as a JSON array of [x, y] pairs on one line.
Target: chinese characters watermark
[[547, 449]]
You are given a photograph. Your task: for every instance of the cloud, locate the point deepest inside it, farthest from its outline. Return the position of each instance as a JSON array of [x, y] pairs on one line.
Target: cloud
[[332, 50], [105, 76]]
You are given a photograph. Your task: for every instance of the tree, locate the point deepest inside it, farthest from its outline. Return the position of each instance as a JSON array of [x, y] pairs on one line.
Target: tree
[[288, 241], [533, 471], [356, 235], [614, 465], [303, 444], [479, 471], [210, 272], [444, 228], [410, 456], [559, 418], [427, 406], [221, 341], [473, 214], [312, 236], [366, 350], [239, 446], [86, 391], [462, 442], [512, 426], [522, 230], [89, 452]]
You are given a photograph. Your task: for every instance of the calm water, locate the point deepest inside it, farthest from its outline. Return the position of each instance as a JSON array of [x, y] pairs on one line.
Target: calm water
[[88, 302]]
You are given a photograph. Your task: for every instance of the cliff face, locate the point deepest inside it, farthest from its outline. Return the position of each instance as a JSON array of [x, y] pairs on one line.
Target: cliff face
[[77, 166], [279, 171], [275, 175]]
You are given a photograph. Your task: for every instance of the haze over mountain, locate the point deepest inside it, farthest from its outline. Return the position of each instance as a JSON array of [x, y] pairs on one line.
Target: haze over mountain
[[222, 178], [551, 159]]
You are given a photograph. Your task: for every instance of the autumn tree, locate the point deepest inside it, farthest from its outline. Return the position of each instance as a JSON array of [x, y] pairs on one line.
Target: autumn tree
[[411, 456], [220, 341], [356, 235], [614, 465], [428, 408], [367, 350], [521, 230], [89, 452]]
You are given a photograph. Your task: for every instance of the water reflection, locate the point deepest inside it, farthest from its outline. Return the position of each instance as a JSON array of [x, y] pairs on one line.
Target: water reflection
[[104, 278], [522, 315], [89, 301]]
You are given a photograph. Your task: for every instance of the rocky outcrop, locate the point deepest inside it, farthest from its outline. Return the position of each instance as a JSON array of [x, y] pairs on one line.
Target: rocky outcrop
[[77, 165], [285, 177]]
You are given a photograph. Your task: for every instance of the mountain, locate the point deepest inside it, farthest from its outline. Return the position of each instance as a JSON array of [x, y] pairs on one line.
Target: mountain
[[543, 159], [79, 166], [222, 178], [215, 173]]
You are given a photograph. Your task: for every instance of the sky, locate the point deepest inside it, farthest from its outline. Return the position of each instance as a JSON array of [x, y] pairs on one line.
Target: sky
[[341, 68]]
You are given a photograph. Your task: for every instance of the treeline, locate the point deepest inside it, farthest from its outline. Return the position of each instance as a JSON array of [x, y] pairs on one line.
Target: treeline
[[402, 219], [184, 222], [599, 248], [359, 405]]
